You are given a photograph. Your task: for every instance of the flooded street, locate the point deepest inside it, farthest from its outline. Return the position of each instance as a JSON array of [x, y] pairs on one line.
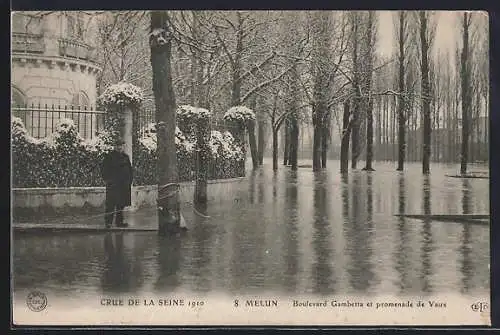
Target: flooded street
[[289, 233]]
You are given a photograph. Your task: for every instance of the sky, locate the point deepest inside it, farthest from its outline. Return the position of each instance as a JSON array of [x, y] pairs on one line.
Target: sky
[[447, 31]]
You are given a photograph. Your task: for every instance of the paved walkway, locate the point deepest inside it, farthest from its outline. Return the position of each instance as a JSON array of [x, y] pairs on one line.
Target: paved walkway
[[24, 227], [144, 219]]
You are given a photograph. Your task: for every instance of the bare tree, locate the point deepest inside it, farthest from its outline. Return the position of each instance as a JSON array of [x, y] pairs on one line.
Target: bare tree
[[168, 200], [345, 136], [426, 32], [321, 44], [356, 86], [402, 37], [122, 40], [465, 74], [368, 73]]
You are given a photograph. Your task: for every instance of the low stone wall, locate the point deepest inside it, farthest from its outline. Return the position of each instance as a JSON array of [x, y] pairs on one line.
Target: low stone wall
[[30, 202]]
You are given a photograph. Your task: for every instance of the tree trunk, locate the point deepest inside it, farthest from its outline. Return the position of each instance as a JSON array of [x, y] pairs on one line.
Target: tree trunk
[[344, 144], [466, 96], [275, 149], [294, 125], [317, 146], [261, 144], [368, 101], [200, 192], [168, 197], [425, 93], [357, 94], [286, 144], [236, 65], [355, 135], [321, 75], [252, 143], [378, 133], [369, 137], [324, 140], [251, 136], [402, 97], [294, 143]]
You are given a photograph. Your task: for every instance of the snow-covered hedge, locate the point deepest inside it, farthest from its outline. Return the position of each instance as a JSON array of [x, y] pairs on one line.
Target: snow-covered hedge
[[223, 145], [147, 139], [187, 112], [64, 159], [121, 94], [239, 114], [190, 119]]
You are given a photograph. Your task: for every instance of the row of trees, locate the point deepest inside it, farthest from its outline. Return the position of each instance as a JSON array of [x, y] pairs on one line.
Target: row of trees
[[295, 68], [292, 68]]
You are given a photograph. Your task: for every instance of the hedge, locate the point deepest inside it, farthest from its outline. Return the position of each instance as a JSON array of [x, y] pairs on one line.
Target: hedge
[[64, 159]]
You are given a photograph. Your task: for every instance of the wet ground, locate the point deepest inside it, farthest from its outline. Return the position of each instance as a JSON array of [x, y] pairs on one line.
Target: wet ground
[[288, 233]]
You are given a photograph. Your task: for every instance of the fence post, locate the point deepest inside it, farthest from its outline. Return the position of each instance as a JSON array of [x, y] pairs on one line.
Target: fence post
[[126, 131]]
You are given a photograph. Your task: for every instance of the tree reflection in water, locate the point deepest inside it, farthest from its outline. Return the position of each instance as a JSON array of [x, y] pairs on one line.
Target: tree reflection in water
[[291, 231], [359, 235], [202, 240], [294, 216], [120, 274], [427, 238], [248, 246], [403, 260], [169, 263], [322, 268], [466, 263]]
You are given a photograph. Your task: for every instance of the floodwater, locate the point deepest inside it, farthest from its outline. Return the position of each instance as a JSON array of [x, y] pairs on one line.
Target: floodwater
[[289, 233]]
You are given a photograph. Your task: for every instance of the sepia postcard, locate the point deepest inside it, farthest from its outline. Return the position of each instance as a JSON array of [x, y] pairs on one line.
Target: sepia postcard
[[263, 168]]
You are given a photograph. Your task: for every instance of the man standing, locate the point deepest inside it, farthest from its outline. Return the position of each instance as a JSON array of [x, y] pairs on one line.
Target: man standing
[[117, 172]]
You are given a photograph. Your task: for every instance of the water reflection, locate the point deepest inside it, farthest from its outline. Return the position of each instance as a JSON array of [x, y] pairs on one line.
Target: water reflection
[[323, 281], [275, 185], [201, 239], [291, 232], [359, 234], [261, 187], [466, 196], [120, 274], [169, 263], [466, 263], [369, 199], [345, 196], [248, 246], [297, 231], [427, 239], [403, 249], [251, 186]]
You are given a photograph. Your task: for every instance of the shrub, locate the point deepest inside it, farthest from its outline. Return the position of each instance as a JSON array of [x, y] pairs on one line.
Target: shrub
[[121, 95], [239, 114], [64, 159]]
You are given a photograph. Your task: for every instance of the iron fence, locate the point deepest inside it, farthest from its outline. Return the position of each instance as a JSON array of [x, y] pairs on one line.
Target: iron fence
[[144, 118], [40, 121]]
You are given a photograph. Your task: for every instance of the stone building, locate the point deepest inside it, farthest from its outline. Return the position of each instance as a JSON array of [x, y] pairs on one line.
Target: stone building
[[54, 67]]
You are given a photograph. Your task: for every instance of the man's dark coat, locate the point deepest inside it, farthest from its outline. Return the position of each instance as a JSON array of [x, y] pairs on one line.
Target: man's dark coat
[[117, 172]]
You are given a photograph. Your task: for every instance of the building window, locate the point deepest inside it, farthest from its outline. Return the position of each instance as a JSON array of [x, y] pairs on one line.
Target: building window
[[84, 122], [18, 98], [75, 26], [18, 101], [81, 100]]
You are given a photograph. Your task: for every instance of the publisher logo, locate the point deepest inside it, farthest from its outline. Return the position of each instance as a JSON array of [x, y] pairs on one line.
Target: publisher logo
[[36, 301], [480, 306]]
